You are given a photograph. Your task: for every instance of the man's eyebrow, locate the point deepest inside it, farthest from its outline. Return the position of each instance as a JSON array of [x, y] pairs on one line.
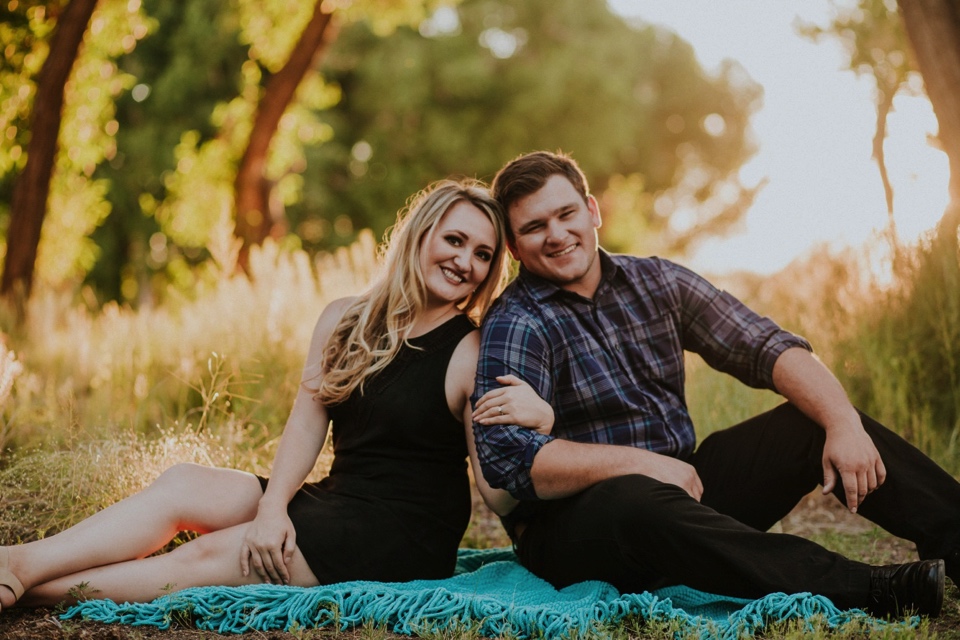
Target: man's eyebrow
[[570, 206], [529, 225]]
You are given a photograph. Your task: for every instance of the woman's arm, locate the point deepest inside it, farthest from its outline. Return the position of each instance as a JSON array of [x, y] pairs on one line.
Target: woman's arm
[[528, 410], [271, 538]]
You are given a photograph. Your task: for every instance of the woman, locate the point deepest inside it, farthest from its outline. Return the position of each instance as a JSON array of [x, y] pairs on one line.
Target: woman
[[393, 369]]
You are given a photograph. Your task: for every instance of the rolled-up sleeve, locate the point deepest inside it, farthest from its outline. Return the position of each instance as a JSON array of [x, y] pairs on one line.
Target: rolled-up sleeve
[[727, 334], [510, 345]]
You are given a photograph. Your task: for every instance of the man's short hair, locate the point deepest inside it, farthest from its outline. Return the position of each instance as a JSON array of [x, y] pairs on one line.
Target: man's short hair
[[528, 173]]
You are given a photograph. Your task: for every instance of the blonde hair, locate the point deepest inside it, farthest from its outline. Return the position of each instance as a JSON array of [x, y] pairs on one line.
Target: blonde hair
[[375, 326]]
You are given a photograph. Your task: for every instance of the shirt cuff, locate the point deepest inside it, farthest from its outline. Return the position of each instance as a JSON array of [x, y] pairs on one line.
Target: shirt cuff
[[523, 488], [771, 352]]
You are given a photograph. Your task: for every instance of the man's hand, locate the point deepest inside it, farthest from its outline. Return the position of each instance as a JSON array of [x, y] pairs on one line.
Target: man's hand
[[562, 468], [850, 452], [673, 471]]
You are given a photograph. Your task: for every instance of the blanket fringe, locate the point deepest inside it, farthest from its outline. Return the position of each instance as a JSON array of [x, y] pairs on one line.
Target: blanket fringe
[[491, 594]]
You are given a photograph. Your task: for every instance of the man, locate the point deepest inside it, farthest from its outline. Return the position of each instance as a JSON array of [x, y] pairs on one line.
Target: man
[[617, 492]]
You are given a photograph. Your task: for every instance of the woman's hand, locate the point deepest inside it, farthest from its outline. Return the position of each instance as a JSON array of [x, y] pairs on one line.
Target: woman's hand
[[514, 403], [268, 546]]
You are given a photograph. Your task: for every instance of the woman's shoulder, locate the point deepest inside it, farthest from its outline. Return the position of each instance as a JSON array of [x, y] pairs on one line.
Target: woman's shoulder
[[330, 318], [339, 306], [335, 310], [462, 369], [463, 362]]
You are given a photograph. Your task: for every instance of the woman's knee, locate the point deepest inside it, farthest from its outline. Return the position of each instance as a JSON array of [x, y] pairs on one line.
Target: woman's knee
[[186, 479], [180, 476], [203, 550], [185, 487]]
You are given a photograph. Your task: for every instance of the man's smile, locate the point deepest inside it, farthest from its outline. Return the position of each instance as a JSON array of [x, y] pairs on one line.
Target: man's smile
[[562, 252]]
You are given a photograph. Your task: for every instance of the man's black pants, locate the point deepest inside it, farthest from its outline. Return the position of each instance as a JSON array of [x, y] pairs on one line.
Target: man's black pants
[[640, 534]]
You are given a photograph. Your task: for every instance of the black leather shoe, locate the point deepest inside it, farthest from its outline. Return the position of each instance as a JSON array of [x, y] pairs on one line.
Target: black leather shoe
[[901, 589], [953, 566]]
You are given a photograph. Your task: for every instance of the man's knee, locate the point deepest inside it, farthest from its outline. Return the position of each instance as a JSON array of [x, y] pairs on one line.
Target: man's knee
[[634, 501]]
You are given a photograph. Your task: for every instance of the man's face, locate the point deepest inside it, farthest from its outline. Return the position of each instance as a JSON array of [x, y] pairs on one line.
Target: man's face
[[555, 236]]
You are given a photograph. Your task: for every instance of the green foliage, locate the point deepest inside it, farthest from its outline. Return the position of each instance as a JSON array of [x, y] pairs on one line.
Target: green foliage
[[190, 62], [913, 332], [200, 153], [474, 86], [874, 39], [24, 30], [164, 95], [87, 136]]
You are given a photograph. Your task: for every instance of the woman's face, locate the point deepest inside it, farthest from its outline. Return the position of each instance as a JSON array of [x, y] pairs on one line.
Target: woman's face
[[455, 257]]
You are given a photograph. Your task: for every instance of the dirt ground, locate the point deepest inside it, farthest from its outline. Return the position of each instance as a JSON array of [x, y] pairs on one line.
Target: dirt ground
[[816, 517]]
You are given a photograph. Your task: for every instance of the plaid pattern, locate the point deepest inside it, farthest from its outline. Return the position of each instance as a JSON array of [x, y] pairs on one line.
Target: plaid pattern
[[612, 368]]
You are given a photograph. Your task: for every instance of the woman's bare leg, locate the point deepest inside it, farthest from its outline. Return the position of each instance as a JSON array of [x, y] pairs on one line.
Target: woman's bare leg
[[211, 559], [184, 497]]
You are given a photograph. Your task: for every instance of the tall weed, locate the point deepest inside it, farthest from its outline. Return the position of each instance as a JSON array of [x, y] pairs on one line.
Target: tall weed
[[885, 318], [909, 372], [117, 367]]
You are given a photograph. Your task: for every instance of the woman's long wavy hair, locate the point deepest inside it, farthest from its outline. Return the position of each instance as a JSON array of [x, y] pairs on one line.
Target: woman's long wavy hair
[[375, 326]]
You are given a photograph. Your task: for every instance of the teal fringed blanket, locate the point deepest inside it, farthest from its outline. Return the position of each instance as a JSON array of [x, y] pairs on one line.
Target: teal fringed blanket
[[490, 593]]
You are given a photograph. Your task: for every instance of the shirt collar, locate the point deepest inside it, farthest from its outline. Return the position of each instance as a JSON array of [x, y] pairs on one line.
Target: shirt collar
[[541, 288]]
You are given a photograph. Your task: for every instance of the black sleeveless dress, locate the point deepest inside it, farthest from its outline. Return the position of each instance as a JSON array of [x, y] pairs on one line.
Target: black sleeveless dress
[[397, 500]]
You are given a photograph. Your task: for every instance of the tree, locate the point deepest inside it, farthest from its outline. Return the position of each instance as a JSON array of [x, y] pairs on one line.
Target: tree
[[933, 27], [62, 112], [891, 39], [876, 45], [474, 86], [29, 202], [256, 158], [256, 218], [188, 65], [914, 327]]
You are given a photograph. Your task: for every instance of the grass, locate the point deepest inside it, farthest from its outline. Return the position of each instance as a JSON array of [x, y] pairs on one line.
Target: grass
[[95, 403]]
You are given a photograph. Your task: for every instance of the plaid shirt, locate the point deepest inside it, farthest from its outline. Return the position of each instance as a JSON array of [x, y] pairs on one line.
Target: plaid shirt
[[612, 367]]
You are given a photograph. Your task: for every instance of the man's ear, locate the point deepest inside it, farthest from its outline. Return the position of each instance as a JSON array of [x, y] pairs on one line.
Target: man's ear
[[512, 248], [594, 208]]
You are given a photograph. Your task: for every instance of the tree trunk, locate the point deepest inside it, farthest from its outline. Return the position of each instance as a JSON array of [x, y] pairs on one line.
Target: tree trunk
[[29, 200], [884, 105], [256, 219], [933, 28]]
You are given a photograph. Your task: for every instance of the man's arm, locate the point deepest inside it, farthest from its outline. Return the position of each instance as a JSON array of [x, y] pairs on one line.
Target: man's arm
[[803, 380], [510, 345], [530, 465], [562, 468]]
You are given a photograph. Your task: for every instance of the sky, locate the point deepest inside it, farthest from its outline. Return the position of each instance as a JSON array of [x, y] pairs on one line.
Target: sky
[[814, 132]]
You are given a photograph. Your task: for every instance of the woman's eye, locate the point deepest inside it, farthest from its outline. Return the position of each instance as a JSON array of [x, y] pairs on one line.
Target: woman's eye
[[454, 240], [485, 256]]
